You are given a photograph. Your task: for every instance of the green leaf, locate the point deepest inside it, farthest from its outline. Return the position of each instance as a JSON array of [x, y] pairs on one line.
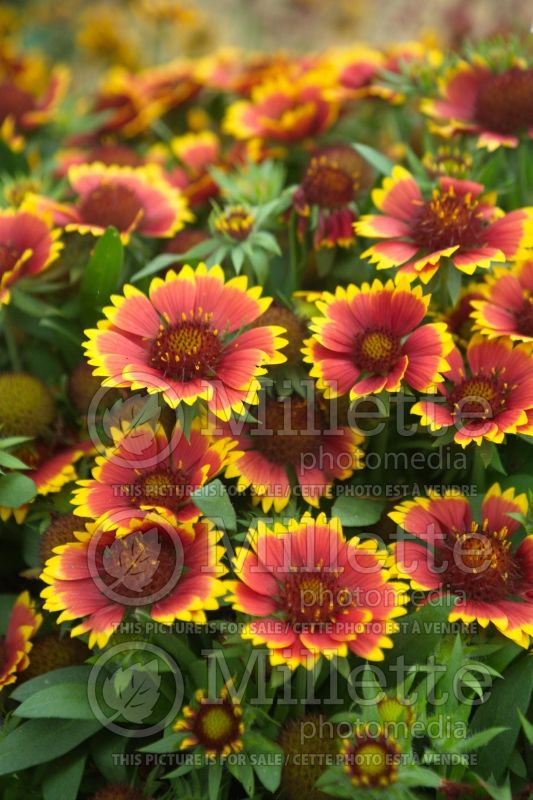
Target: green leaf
[[156, 265], [13, 163], [454, 285], [65, 779], [527, 726], [101, 275], [64, 701], [16, 490], [508, 697], [478, 739], [78, 674], [36, 742], [244, 773], [213, 781], [357, 511], [104, 749], [213, 501], [10, 461], [376, 159], [419, 776], [268, 761]]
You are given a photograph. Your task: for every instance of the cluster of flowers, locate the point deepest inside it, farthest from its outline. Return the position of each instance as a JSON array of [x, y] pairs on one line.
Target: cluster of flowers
[[197, 392]]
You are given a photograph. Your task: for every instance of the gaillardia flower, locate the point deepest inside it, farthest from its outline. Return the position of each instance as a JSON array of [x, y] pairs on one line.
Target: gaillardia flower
[[185, 341], [457, 222], [214, 726], [371, 758], [132, 199], [458, 317], [197, 152], [50, 467], [282, 110], [505, 307], [477, 561], [489, 395], [315, 593], [333, 179], [28, 245], [371, 338], [172, 571], [149, 470], [29, 100], [495, 106], [293, 434], [23, 624]]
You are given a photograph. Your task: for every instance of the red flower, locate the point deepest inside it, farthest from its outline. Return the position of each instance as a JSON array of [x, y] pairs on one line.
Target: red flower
[[497, 107], [148, 470], [28, 245], [183, 340], [293, 435], [333, 178], [488, 396], [493, 579], [132, 199], [283, 110], [24, 622], [506, 306], [456, 222], [315, 593], [173, 571], [370, 338]]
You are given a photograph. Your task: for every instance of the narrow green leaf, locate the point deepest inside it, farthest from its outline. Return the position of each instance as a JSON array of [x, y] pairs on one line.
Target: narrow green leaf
[[64, 701], [156, 265], [101, 275], [36, 742], [376, 159], [65, 778], [357, 511]]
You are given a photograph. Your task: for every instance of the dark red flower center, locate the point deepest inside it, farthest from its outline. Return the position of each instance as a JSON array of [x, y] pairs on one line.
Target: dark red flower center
[[371, 760], [377, 351], [479, 564], [8, 257], [478, 399], [524, 318], [14, 102], [313, 598], [333, 177], [139, 565], [446, 220], [111, 204], [217, 725], [162, 487], [288, 430], [187, 350], [505, 102]]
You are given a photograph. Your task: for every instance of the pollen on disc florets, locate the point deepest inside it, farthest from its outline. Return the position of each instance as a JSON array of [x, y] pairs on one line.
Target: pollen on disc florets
[[27, 407], [295, 331], [118, 791], [54, 652], [60, 531]]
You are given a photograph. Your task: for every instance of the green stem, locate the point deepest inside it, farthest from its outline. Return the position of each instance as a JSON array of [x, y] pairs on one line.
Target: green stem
[[300, 691], [11, 345], [443, 288], [477, 475]]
